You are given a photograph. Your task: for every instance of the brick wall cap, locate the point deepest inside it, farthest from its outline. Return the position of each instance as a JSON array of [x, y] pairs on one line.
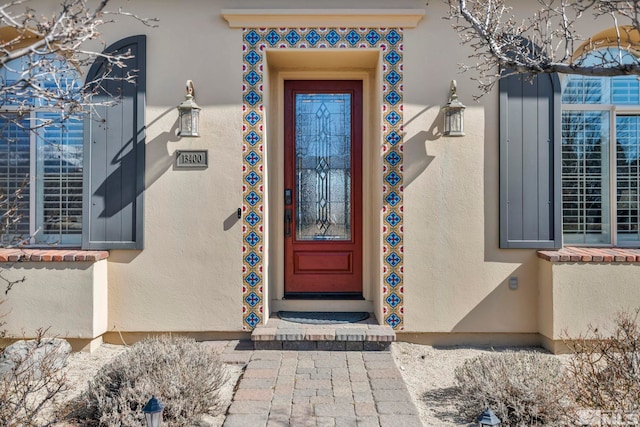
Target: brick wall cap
[[51, 255], [583, 254]]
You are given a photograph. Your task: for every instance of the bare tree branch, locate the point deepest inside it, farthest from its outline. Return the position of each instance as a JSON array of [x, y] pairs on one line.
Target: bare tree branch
[[42, 41], [42, 59], [547, 41]]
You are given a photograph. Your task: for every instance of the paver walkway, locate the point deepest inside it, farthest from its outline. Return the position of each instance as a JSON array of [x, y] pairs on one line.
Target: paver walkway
[[321, 388]]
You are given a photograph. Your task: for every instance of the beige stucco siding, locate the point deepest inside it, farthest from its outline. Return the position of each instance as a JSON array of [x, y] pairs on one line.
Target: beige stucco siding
[[189, 277], [456, 278], [584, 294], [191, 267], [67, 298], [545, 299]]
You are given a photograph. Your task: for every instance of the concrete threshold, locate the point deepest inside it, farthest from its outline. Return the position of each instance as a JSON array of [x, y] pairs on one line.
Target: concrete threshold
[[366, 335]]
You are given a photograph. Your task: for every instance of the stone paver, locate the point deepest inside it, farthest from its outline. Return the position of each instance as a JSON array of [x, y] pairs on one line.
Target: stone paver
[[321, 388], [234, 352]]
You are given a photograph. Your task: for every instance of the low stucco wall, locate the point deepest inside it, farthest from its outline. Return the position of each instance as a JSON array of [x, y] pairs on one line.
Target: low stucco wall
[[189, 276], [576, 295], [69, 298]]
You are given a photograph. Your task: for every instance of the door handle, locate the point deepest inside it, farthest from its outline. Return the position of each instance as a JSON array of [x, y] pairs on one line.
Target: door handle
[[287, 223]]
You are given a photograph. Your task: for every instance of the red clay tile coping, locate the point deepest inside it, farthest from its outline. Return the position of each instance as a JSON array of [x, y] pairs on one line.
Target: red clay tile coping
[[51, 255], [579, 254]]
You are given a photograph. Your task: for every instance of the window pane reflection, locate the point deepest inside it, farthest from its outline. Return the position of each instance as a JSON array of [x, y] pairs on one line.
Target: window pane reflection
[[323, 166]]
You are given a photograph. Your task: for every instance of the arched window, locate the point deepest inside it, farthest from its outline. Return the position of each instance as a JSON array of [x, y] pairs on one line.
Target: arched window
[[601, 155], [40, 152]]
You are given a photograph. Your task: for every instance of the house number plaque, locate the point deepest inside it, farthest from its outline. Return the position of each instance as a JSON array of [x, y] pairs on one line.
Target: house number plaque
[[192, 159]]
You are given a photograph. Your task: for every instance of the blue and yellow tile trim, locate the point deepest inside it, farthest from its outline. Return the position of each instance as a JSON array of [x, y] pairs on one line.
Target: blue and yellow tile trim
[[255, 42]]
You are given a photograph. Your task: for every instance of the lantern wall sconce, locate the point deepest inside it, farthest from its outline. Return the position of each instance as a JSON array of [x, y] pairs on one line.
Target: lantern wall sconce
[[189, 113], [453, 113]]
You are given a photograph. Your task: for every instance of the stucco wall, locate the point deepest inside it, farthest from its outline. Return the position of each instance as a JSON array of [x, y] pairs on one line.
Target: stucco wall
[[191, 266], [189, 276], [581, 294], [456, 278], [68, 298], [545, 299]]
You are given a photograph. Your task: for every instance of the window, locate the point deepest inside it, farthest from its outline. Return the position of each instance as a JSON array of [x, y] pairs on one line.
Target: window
[[47, 152], [601, 157], [41, 160]]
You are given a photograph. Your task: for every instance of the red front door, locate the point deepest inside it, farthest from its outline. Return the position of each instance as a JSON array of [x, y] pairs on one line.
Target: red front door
[[323, 188]]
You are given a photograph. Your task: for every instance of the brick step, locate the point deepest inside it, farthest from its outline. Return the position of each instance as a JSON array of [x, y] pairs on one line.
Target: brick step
[[366, 335]]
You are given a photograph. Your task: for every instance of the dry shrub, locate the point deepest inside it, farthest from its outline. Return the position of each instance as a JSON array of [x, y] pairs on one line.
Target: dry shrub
[[606, 366], [33, 383], [521, 388], [185, 376]]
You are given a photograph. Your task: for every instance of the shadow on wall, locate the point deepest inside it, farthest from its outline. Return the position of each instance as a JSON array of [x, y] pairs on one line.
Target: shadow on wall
[[158, 161], [508, 308], [158, 158], [231, 220], [416, 159]]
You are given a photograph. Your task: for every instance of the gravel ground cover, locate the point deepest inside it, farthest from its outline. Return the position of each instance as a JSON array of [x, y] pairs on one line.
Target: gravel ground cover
[[429, 375], [427, 371]]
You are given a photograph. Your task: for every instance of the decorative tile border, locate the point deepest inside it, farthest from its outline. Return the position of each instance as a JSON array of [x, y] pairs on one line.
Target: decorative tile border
[[255, 42]]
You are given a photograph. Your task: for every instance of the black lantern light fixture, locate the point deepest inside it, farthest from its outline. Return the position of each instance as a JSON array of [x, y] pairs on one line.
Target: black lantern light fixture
[[153, 412], [189, 113], [453, 113], [488, 419]]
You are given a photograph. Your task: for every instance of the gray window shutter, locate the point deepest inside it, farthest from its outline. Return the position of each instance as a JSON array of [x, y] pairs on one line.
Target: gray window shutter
[[530, 143], [114, 152]]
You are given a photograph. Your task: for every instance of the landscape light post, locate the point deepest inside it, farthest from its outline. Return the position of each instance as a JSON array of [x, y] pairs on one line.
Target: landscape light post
[[488, 419], [153, 412]]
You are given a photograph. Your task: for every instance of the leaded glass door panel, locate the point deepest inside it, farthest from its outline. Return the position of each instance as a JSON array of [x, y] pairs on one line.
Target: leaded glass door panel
[[323, 188]]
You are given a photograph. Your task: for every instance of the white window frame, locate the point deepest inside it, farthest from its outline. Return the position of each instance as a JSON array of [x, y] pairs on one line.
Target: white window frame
[[614, 111]]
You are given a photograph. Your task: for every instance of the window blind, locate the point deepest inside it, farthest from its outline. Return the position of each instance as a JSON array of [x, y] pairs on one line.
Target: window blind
[[15, 192], [59, 178], [585, 163], [628, 177]]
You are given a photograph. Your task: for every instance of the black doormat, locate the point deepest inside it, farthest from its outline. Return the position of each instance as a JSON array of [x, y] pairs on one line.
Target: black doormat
[[323, 317]]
